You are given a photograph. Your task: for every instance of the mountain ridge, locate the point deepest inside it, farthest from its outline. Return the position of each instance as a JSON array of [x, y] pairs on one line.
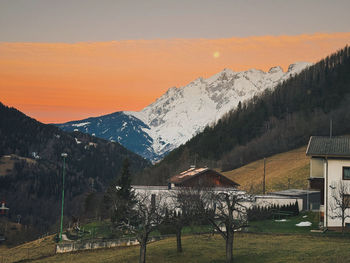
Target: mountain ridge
[[180, 113]]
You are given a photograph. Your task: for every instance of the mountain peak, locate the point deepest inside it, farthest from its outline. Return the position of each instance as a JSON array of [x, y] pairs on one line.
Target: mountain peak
[[227, 71], [171, 91], [275, 70], [298, 66], [222, 75]]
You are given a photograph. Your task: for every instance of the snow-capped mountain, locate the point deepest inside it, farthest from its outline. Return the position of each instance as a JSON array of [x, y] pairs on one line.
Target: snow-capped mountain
[[180, 113], [120, 127]]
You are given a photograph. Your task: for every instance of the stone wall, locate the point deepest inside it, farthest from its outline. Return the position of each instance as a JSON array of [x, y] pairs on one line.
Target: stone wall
[[67, 246]]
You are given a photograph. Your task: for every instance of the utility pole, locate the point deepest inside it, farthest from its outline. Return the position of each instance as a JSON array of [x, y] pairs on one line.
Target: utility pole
[[264, 186], [64, 156]]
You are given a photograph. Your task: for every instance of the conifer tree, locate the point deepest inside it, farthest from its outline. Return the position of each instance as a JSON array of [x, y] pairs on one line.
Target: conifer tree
[[121, 198], [125, 195]]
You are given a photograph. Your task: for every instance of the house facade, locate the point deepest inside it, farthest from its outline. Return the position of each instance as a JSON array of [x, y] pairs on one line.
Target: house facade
[[330, 169]]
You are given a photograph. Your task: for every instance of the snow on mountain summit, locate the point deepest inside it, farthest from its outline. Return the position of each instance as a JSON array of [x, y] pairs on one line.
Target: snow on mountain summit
[[298, 66], [180, 113], [275, 70]]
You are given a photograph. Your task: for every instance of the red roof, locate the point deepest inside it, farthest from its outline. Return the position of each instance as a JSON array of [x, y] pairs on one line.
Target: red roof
[[193, 172], [190, 173]]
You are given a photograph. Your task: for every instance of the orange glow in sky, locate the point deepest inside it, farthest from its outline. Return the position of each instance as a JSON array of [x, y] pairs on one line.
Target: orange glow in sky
[[58, 82]]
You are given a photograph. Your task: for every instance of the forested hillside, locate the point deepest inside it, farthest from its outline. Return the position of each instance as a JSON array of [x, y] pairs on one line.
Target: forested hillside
[[32, 187], [279, 120]]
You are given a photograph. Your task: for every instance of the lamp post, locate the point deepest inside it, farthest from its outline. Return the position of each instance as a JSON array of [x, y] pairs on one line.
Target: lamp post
[[64, 156]]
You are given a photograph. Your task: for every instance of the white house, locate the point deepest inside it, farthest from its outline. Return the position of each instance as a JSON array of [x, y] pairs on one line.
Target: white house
[[329, 167]]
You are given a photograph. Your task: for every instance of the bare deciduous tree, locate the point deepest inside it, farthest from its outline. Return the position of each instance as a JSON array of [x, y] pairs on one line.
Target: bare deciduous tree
[[228, 215], [340, 202], [188, 205], [148, 214]]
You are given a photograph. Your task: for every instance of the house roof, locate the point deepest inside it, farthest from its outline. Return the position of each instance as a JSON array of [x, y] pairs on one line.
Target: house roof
[[294, 192], [193, 172], [325, 146], [190, 173]]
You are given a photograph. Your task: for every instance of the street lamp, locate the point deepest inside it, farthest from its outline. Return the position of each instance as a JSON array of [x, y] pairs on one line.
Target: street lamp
[[64, 156]]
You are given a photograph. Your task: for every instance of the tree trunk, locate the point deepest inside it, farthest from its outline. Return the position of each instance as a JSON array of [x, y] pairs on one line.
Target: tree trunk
[[229, 247], [178, 240], [143, 245], [342, 225]]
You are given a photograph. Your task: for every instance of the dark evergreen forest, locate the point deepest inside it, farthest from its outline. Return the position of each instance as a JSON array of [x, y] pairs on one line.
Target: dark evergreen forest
[[276, 121], [32, 189]]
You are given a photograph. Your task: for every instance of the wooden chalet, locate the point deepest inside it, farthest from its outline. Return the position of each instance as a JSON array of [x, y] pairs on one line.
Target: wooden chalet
[[202, 177]]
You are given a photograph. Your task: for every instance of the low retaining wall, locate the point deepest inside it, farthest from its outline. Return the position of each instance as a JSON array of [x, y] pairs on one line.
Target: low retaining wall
[[84, 245]]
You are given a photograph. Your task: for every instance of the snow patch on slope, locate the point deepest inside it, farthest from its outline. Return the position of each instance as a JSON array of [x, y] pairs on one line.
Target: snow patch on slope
[[81, 124]]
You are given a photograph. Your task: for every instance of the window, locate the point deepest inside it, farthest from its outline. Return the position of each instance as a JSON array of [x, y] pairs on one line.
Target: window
[[346, 173], [346, 201]]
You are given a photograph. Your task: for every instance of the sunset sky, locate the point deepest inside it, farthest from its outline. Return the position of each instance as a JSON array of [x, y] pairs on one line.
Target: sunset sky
[[67, 60]]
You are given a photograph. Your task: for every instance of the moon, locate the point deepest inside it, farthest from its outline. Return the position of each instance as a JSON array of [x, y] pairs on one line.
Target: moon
[[216, 54]]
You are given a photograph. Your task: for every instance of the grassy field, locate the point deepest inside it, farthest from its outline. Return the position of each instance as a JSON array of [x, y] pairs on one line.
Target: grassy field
[[288, 226], [31, 250], [286, 170], [248, 248], [7, 163], [272, 242]]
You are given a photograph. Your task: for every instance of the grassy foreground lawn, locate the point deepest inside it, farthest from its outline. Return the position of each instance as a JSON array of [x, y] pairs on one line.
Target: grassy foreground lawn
[[288, 226], [248, 248]]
